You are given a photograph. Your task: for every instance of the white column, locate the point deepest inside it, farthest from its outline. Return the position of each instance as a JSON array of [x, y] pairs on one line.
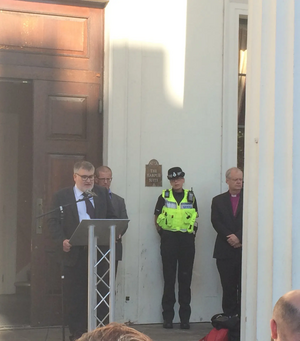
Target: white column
[[270, 218], [296, 153]]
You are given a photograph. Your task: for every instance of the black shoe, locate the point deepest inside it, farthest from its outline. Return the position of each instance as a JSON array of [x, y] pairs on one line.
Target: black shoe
[[168, 325], [185, 325]]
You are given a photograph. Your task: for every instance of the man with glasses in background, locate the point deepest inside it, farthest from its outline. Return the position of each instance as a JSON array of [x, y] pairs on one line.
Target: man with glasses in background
[[94, 204], [227, 220], [104, 179]]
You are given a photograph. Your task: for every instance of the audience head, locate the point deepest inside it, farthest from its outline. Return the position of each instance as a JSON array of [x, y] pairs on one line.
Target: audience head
[[285, 322], [114, 332]]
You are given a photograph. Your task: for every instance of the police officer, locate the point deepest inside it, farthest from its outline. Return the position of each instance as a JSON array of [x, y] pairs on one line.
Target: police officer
[[175, 215]]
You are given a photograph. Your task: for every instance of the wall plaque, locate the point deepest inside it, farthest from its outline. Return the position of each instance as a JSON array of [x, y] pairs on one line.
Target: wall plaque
[[153, 174]]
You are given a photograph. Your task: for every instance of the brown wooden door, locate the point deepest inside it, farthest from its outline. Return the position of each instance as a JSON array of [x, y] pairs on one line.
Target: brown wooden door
[[60, 50], [68, 131]]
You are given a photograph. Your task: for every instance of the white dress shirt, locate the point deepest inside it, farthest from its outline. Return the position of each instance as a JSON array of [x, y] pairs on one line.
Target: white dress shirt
[[81, 206]]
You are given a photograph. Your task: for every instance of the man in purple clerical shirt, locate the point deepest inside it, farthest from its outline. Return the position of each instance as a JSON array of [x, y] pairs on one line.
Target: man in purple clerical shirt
[[227, 220]]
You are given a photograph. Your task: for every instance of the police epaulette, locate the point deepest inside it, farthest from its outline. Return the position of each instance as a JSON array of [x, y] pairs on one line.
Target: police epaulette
[[190, 196], [167, 193]]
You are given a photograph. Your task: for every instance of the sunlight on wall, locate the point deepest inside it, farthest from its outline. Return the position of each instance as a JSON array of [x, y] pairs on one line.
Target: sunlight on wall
[[160, 28]]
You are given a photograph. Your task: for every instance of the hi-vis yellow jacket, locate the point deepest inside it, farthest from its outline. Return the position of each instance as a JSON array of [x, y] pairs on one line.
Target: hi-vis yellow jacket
[[176, 217]]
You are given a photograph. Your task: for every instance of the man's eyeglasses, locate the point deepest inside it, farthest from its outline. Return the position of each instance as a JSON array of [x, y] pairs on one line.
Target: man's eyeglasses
[[105, 179], [86, 177]]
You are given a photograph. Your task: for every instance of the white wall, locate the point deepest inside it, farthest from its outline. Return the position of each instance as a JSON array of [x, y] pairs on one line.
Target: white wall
[[163, 100]]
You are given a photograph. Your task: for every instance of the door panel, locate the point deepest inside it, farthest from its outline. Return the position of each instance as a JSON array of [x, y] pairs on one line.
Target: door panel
[[51, 36], [67, 132]]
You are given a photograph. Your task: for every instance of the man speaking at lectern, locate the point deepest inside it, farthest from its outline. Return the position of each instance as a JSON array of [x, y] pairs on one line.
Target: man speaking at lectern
[[95, 204]]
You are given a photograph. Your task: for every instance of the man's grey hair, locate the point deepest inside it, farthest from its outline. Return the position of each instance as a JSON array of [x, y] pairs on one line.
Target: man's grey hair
[[83, 165], [228, 172]]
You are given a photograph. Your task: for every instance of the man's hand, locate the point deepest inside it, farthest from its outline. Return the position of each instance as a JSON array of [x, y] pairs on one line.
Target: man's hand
[[233, 240], [237, 246], [159, 229], [66, 245]]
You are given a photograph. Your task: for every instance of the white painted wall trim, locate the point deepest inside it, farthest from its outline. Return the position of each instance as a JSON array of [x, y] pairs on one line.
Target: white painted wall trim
[[269, 241], [232, 12]]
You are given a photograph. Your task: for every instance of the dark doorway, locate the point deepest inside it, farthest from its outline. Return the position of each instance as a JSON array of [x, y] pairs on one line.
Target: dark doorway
[[16, 115]]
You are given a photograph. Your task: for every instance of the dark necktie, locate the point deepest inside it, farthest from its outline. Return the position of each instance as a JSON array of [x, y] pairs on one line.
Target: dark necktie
[[90, 209]]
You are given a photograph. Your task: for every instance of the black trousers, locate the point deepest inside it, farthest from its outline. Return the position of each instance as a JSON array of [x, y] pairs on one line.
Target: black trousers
[[177, 251], [76, 292], [230, 275]]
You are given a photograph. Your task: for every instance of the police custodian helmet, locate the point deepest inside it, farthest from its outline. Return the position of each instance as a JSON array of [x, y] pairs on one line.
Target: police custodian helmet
[[175, 172]]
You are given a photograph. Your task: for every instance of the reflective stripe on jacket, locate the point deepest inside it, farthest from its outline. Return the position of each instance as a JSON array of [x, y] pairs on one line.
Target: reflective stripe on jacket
[[176, 217]]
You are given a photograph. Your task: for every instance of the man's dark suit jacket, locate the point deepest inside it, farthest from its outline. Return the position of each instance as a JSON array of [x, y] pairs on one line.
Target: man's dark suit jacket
[[121, 213], [62, 227], [225, 223]]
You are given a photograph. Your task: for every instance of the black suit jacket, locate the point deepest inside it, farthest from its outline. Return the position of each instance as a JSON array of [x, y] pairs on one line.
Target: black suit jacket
[[121, 213], [62, 226], [225, 223]]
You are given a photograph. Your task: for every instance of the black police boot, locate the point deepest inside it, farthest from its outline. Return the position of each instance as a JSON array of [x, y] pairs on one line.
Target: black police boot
[[168, 324], [185, 325]]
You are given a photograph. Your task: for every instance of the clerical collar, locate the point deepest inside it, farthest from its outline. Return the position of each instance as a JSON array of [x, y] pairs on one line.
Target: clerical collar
[[234, 195]]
